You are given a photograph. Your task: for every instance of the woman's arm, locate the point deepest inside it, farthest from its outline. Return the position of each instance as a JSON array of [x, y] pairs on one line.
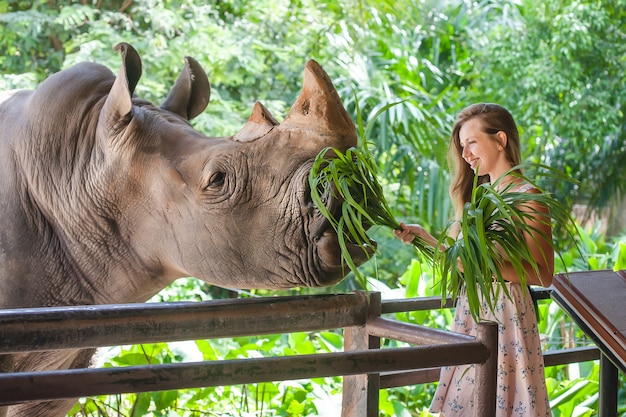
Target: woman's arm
[[540, 245], [408, 232]]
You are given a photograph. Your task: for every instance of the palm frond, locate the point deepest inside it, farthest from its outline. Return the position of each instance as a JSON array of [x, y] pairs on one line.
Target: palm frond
[[493, 229], [352, 178]]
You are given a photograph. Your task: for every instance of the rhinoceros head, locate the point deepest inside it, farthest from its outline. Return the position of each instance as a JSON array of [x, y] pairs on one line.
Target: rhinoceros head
[[233, 211]]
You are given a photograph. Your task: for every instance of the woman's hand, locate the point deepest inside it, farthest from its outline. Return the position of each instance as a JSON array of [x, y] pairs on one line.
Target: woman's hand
[[408, 232]]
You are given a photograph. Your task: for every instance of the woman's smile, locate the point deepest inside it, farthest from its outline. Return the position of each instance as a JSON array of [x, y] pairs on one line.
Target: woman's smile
[[472, 162]]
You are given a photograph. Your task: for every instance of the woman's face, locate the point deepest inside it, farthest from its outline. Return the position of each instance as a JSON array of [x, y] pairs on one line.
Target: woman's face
[[483, 151]]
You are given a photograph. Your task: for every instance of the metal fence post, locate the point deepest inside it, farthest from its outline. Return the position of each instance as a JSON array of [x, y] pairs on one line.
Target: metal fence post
[[607, 406], [486, 373], [360, 392]]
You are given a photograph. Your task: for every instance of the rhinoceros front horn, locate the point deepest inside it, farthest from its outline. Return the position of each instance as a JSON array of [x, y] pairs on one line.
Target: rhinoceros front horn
[[318, 109]]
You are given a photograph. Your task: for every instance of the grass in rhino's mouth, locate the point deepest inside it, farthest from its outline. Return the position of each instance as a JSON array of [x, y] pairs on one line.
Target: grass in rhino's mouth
[[349, 179]]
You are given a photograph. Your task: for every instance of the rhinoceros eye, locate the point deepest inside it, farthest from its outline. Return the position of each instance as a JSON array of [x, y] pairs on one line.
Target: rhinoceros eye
[[217, 179]]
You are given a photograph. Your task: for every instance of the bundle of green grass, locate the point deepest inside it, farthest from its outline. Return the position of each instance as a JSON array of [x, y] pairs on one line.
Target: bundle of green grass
[[492, 227]]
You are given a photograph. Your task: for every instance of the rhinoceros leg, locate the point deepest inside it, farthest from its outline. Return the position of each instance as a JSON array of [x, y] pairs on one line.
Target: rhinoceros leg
[[45, 409], [6, 365], [58, 408]]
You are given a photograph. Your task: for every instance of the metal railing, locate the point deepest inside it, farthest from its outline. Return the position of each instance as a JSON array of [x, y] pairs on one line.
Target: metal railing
[[366, 367], [423, 376], [608, 378]]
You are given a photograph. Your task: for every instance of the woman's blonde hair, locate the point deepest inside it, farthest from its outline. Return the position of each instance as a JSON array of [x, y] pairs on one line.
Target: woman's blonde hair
[[494, 118]]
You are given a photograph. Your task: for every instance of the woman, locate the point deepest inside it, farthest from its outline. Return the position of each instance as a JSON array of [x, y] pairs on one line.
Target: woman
[[485, 142]]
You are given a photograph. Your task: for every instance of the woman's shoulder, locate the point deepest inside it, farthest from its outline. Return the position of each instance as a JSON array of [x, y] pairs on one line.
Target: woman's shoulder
[[525, 187]]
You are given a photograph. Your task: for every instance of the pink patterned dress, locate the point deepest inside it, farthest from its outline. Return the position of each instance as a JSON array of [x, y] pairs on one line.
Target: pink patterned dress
[[521, 387]]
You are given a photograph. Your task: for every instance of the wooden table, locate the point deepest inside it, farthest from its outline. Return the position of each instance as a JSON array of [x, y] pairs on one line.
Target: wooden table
[[596, 300]]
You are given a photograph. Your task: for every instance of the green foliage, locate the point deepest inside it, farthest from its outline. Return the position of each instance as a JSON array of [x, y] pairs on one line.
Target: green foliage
[[30, 43], [351, 178], [403, 56], [559, 67], [290, 398]]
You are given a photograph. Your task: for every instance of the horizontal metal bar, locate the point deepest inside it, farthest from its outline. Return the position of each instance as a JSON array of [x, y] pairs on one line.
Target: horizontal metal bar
[[413, 333], [28, 386], [551, 358], [403, 305], [574, 355], [26, 330], [406, 378]]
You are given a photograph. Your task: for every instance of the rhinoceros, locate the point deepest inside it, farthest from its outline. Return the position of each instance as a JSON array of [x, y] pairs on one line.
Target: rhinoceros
[[106, 198]]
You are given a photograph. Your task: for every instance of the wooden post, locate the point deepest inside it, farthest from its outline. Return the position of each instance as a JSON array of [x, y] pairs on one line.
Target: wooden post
[[360, 392], [486, 372]]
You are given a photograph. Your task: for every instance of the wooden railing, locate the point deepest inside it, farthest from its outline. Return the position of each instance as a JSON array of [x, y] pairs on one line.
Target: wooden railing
[[365, 366]]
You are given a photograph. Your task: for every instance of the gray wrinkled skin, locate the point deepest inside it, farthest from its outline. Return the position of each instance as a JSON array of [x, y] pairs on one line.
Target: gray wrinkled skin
[[106, 198]]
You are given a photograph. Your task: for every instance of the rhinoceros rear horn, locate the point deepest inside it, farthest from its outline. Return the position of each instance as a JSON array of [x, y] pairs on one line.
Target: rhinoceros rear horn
[[258, 125], [319, 108], [119, 102], [190, 94]]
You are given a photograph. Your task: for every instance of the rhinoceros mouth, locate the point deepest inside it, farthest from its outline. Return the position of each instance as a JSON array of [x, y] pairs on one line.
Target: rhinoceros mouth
[[359, 253], [332, 267], [330, 263]]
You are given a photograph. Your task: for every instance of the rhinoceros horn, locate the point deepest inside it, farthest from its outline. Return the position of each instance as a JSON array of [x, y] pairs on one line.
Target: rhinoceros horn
[[317, 114], [318, 107], [258, 125]]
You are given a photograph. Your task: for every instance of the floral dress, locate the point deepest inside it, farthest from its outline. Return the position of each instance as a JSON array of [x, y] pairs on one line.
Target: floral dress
[[521, 387]]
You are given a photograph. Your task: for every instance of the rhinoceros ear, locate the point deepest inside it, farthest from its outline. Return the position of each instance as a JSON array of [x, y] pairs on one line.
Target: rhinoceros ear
[[190, 94], [258, 125], [119, 102], [319, 108]]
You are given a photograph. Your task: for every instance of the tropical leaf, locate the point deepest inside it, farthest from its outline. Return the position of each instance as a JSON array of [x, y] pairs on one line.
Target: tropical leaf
[[351, 177], [493, 229]]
